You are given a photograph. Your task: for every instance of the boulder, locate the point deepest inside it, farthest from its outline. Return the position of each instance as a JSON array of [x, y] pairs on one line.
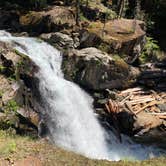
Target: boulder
[[153, 75], [53, 19], [96, 70], [95, 10], [124, 37], [143, 127], [150, 129], [60, 40]]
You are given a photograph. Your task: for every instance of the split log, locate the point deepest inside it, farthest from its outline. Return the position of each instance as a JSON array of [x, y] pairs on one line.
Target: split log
[[148, 105], [113, 109], [162, 113], [131, 90], [134, 102], [129, 107]]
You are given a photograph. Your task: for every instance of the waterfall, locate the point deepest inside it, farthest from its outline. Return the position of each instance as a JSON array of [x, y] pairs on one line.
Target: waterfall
[[68, 109]]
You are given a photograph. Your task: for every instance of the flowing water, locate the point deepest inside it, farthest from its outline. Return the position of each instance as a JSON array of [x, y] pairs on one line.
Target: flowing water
[[70, 118]]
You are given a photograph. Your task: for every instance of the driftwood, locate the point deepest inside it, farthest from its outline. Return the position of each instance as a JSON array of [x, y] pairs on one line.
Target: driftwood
[[137, 100], [148, 105], [113, 109], [160, 115], [136, 104]]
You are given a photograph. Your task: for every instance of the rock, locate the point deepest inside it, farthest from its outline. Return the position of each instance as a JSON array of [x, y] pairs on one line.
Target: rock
[[16, 99], [144, 122], [156, 136], [96, 70], [122, 36], [162, 107], [9, 20], [95, 10], [153, 76], [30, 115], [8, 119], [59, 40], [53, 19], [145, 128]]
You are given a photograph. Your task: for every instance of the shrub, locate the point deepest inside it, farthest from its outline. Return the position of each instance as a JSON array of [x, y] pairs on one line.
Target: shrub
[[150, 51]]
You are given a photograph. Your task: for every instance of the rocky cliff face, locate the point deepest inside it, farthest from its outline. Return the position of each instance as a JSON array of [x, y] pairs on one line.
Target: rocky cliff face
[[17, 109]]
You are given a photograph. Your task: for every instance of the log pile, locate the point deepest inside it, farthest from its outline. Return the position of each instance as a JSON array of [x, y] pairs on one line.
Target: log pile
[[138, 100], [146, 110]]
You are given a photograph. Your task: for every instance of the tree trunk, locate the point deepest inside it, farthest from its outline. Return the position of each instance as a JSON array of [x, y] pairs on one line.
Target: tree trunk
[[77, 12], [137, 9], [122, 4]]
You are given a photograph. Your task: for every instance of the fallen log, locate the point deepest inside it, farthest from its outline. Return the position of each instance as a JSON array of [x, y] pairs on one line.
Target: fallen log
[[162, 117], [148, 105], [134, 102], [162, 113], [131, 90]]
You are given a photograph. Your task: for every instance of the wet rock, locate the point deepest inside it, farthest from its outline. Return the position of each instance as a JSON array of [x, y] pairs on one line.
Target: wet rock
[[96, 70], [156, 136]]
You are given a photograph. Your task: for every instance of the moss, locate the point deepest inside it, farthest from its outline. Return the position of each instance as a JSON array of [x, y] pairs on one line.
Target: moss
[[10, 118], [121, 64], [95, 26], [12, 144], [8, 148], [104, 47], [1, 93], [83, 18], [2, 69], [31, 18], [100, 8], [20, 53], [22, 66], [11, 106]]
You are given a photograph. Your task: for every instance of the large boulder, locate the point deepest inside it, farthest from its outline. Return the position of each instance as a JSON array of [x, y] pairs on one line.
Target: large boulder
[[51, 20], [122, 36], [97, 70]]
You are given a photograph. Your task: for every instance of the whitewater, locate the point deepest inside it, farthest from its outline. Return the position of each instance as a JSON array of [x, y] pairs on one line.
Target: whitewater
[[71, 121]]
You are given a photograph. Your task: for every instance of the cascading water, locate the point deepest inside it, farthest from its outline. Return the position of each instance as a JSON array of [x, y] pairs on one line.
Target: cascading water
[[70, 119]]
